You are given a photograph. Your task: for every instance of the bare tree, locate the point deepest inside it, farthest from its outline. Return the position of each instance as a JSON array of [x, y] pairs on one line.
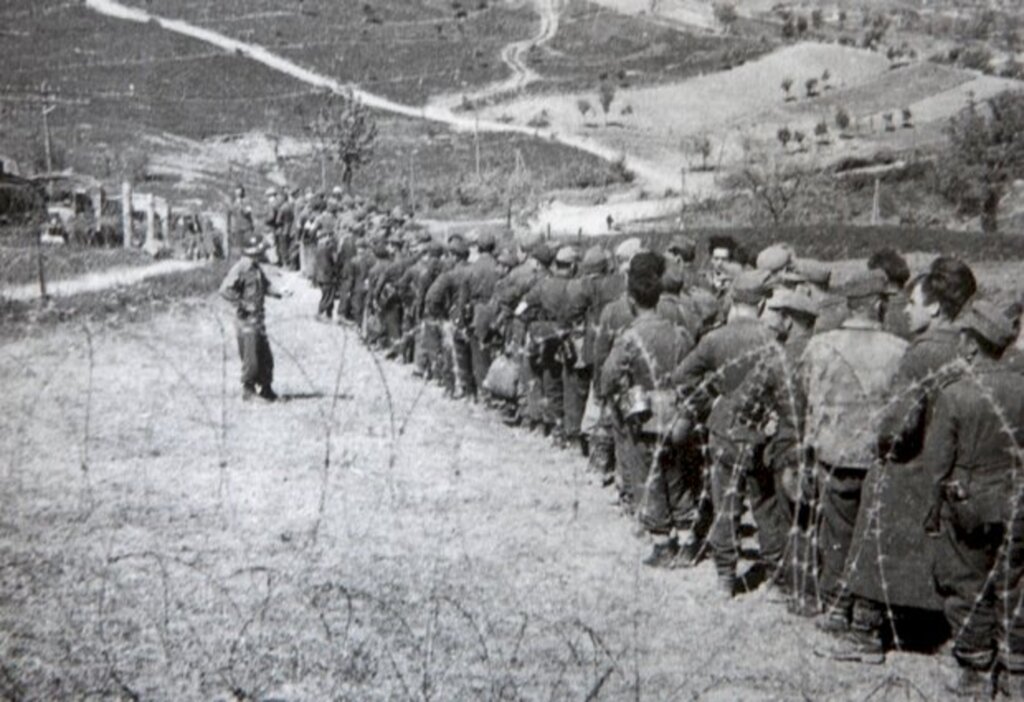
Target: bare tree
[[725, 14], [787, 85], [606, 94], [583, 105], [784, 136], [774, 191], [842, 121], [345, 130], [701, 146]]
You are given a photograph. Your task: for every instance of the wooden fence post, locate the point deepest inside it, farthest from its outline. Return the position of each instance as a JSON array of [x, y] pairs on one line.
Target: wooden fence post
[[150, 245], [126, 213]]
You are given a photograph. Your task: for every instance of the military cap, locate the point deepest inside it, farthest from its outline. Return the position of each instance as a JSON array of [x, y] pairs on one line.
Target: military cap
[[566, 255], [673, 279], [867, 284], [254, 245], [424, 237], [793, 301], [270, 191], [988, 321], [336, 190], [749, 287], [595, 260], [813, 271], [627, 249], [434, 248], [508, 257], [486, 242], [686, 246], [774, 258], [458, 247], [381, 250], [543, 253]]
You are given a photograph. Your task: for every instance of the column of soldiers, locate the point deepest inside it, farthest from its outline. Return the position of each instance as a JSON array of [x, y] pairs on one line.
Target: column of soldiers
[[870, 431]]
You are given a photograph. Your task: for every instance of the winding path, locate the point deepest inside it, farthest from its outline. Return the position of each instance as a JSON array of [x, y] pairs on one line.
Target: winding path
[[514, 56], [650, 175], [101, 280]]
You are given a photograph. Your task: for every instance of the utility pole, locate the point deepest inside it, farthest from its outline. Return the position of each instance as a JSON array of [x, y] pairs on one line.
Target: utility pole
[[476, 145], [46, 146]]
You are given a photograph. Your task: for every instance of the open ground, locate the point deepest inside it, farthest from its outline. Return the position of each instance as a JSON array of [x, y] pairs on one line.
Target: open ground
[[365, 538]]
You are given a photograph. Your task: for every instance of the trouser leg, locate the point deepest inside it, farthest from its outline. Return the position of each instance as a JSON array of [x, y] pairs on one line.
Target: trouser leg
[[769, 514], [327, 295], [839, 501], [575, 387], [481, 360], [728, 466]]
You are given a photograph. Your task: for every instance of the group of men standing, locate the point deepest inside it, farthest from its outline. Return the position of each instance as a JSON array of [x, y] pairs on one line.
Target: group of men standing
[[874, 428]]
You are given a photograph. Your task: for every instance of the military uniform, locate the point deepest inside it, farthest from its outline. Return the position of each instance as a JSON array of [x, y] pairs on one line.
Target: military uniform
[[545, 305], [644, 355], [974, 444], [898, 491], [713, 374], [246, 286], [847, 375], [475, 304]]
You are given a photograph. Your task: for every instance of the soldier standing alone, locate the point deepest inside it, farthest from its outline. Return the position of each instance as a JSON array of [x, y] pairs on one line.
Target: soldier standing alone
[[247, 286]]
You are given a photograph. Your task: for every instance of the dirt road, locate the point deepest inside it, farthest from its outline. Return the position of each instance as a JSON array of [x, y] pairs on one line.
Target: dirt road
[[366, 538], [654, 177], [97, 281], [514, 57]]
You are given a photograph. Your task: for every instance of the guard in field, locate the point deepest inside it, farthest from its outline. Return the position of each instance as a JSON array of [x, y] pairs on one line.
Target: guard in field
[[246, 286], [636, 381], [898, 491], [973, 443], [711, 378], [847, 376]]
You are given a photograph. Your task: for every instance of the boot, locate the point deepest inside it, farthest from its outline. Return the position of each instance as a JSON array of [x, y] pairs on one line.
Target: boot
[[727, 581], [248, 391], [974, 684], [663, 554], [1009, 685], [854, 646]]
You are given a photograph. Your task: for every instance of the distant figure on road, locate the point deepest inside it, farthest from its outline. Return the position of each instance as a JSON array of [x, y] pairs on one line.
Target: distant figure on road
[[247, 286]]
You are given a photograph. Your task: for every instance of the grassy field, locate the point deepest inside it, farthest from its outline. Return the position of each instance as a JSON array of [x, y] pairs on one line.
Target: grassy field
[[364, 539], [115, 305], [406, 50], [434, 169], [593, 41]]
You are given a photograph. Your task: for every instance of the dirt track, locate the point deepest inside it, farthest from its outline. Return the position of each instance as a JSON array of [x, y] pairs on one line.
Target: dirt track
[[364, 539]]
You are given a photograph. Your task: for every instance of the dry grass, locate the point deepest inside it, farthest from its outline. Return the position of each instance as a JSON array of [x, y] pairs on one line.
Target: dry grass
[[364, 539]]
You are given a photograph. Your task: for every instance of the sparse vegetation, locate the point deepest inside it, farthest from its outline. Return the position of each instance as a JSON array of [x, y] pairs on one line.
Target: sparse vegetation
[[987, 154]]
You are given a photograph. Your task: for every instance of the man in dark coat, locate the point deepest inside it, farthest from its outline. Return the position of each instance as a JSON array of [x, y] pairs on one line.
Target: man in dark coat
[[973, 444], [891, 560]]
